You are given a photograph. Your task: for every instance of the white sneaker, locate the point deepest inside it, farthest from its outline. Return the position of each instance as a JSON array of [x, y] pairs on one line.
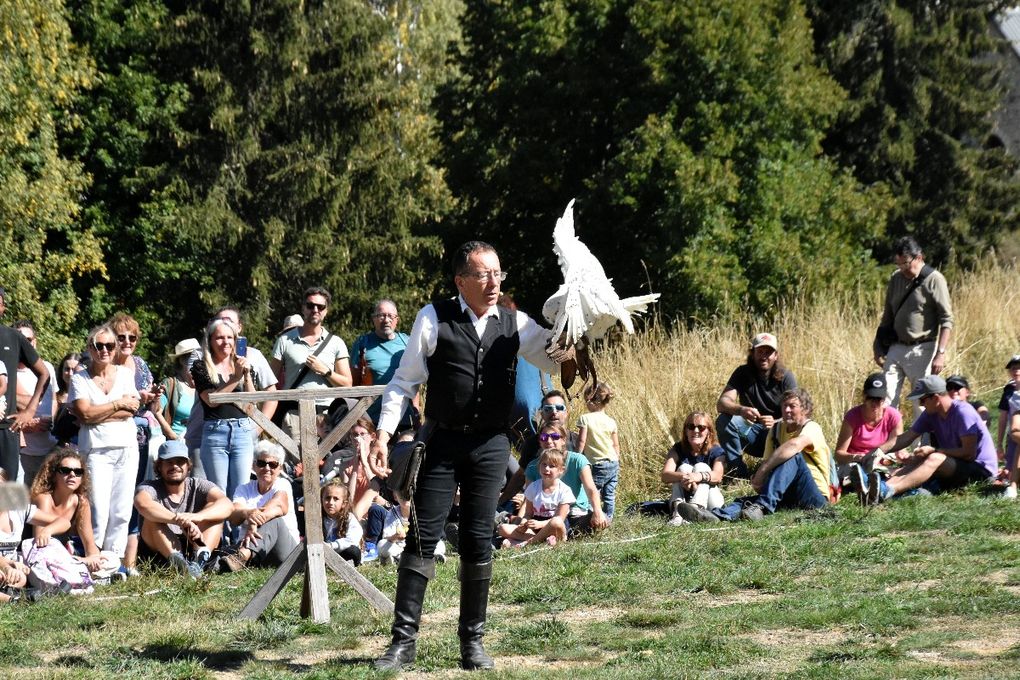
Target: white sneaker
[[1009, 493]]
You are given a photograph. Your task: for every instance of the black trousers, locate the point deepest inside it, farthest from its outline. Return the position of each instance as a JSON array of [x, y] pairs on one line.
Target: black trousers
[[10, 453], [477, 463]]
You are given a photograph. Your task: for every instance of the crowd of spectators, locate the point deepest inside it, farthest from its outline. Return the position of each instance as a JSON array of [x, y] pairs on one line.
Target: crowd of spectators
[[120, 465]]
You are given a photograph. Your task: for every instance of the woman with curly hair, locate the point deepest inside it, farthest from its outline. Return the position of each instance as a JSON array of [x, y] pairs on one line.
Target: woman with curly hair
[[62, 488], [694, 466]]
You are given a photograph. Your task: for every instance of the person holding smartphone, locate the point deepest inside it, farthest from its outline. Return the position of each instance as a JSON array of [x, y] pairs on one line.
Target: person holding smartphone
[[228, 436]]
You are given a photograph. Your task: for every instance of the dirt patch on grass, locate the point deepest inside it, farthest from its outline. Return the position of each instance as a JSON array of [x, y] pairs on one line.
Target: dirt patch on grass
[[797, 645], [982, 637], [913, 585], [1004, 580], [740, 597]]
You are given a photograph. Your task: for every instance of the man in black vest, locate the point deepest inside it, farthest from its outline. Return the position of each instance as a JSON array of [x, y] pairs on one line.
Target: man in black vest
[[465, 348]]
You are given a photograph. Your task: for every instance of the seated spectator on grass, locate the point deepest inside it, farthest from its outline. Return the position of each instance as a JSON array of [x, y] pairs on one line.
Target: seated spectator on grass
[[1009, 404], [957, 387], [749, 404], [694, 466], [183, 516], [547, 501], [341, 530], [13, 573], [394, 534], [553, 411], [965, 452], [267, 529], [586, 515], [794, 473], [1014, 436], [62, 488], [868, 429]]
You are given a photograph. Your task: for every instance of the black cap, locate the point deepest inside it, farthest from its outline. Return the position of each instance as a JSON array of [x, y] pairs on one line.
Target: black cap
[[874, 386], [955, 382], [1015, 359]]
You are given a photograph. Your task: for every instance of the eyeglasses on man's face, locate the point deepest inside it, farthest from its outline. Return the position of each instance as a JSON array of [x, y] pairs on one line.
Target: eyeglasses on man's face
[[552, 408], [382, 316], [482, 276]]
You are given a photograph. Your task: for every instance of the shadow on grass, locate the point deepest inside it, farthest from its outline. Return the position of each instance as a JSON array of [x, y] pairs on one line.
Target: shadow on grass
[[215, 660]]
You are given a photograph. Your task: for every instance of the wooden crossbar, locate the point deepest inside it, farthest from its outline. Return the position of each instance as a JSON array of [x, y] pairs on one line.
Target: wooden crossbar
[[312, 556]]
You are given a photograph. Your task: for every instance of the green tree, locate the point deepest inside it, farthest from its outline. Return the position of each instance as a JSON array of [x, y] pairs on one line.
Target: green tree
[[125, 117], [42, 252], [690, 132], [296, 162], [921, 93]]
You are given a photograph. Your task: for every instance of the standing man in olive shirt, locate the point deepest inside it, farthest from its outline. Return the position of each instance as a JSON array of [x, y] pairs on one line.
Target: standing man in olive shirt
[[918, 310]]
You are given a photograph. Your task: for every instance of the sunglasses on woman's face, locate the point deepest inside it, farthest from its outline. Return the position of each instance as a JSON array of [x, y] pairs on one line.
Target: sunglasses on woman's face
[[271, 464], [124, 337], [108, 346], [77, 472], [550, 436], [692, 427]]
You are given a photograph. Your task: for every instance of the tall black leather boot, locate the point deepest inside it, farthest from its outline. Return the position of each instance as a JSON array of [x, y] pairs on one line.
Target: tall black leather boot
[[474, 600], [413, 577]]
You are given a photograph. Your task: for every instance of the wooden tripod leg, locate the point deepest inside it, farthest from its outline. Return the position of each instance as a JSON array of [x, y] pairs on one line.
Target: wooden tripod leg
[[356, 580], [295, 561]]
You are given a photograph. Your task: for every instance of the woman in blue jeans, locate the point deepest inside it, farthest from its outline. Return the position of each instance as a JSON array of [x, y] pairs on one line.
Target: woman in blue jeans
[[228, 437]]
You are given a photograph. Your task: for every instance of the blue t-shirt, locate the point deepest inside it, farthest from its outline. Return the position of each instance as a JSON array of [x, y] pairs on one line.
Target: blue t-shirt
[[576, 462], [383, 357], [962, 420], [528, 392]]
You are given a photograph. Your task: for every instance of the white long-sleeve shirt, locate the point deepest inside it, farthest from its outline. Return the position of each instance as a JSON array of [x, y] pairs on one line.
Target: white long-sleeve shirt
[[413, 371]]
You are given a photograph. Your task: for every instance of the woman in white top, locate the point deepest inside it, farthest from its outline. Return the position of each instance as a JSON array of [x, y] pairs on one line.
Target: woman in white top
[[105, 400], [264, 513]]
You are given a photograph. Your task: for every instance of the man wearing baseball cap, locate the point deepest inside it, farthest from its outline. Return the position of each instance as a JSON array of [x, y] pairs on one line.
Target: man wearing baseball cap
[[184, 516], [965, 452], [750, 403]]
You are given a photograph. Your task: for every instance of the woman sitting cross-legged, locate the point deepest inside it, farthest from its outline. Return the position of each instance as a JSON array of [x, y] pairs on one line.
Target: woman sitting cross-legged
[[547, 500], [264, 514], [694, 467]]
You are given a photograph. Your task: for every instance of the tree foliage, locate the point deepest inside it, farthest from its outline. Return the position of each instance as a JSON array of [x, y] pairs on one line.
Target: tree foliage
[[42, 252], [689, 131], [288, 168], [921, 92]]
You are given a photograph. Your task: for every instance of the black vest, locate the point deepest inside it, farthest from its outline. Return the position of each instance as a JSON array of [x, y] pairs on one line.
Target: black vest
[[471, 382]]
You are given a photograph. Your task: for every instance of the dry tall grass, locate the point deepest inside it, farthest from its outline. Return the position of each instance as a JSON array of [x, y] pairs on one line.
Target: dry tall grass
[[660, 374]]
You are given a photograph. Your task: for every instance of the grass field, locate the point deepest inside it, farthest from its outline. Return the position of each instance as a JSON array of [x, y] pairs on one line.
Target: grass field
[[920, 588]]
